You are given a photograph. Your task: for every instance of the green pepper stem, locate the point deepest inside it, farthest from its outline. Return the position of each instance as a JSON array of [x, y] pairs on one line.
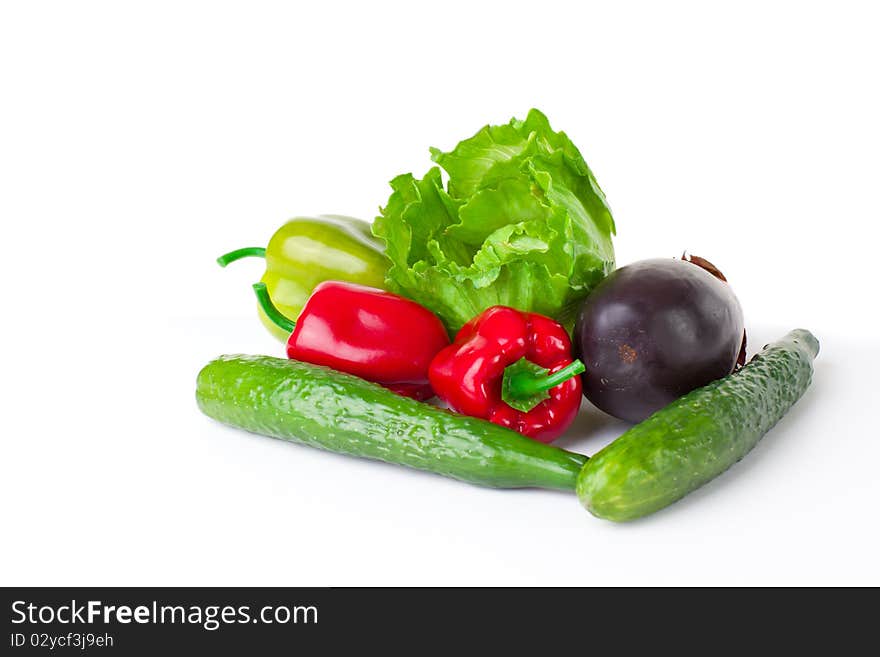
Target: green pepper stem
[[279, 320], [524, 384], [238, 254]]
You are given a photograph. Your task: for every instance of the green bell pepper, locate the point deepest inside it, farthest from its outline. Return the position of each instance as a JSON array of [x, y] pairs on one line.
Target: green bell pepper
[[309, 250]]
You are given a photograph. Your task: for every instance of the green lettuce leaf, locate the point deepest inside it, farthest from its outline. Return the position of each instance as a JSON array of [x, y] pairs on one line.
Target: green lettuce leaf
[[521, 222]]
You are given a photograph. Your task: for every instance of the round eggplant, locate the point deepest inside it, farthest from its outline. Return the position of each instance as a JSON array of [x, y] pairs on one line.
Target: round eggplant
[[653, 331]]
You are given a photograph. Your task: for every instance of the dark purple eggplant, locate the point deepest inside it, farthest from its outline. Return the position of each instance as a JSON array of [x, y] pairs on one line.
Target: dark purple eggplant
[[653, 331]]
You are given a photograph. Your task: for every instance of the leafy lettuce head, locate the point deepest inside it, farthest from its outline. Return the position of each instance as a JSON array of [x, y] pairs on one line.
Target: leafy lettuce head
[[521, 222]]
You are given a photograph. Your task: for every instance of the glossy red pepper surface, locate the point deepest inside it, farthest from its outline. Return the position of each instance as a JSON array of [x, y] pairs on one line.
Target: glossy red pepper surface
[[371, 333], [468, 374]]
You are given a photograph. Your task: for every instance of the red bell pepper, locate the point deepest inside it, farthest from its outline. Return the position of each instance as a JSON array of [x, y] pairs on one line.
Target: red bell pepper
[[512, 368], [364, 331]]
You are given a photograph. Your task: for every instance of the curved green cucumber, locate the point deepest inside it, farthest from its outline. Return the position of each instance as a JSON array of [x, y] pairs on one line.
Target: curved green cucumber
[[324, 408], [699, 436]]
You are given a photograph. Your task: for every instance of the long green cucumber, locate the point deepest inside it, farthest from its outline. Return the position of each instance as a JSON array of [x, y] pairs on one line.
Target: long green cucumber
[[323, 408], [699, 436]]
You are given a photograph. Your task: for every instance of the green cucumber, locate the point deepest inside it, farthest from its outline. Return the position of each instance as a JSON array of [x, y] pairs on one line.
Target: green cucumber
[[699, 436], [324, 408]]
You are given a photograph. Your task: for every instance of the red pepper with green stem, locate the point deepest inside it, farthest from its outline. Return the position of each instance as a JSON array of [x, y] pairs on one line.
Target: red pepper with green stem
[[512, 368], [364, 331]]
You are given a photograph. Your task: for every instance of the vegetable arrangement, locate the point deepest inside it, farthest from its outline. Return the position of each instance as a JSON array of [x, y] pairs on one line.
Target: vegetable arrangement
[[508, 257]]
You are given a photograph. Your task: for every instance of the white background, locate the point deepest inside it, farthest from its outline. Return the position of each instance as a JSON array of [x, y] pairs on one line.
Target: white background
[[140, 140]]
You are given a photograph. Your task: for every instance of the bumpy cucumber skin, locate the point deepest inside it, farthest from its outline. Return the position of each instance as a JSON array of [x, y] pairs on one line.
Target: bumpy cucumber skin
[[323, 408], [696, 438]]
